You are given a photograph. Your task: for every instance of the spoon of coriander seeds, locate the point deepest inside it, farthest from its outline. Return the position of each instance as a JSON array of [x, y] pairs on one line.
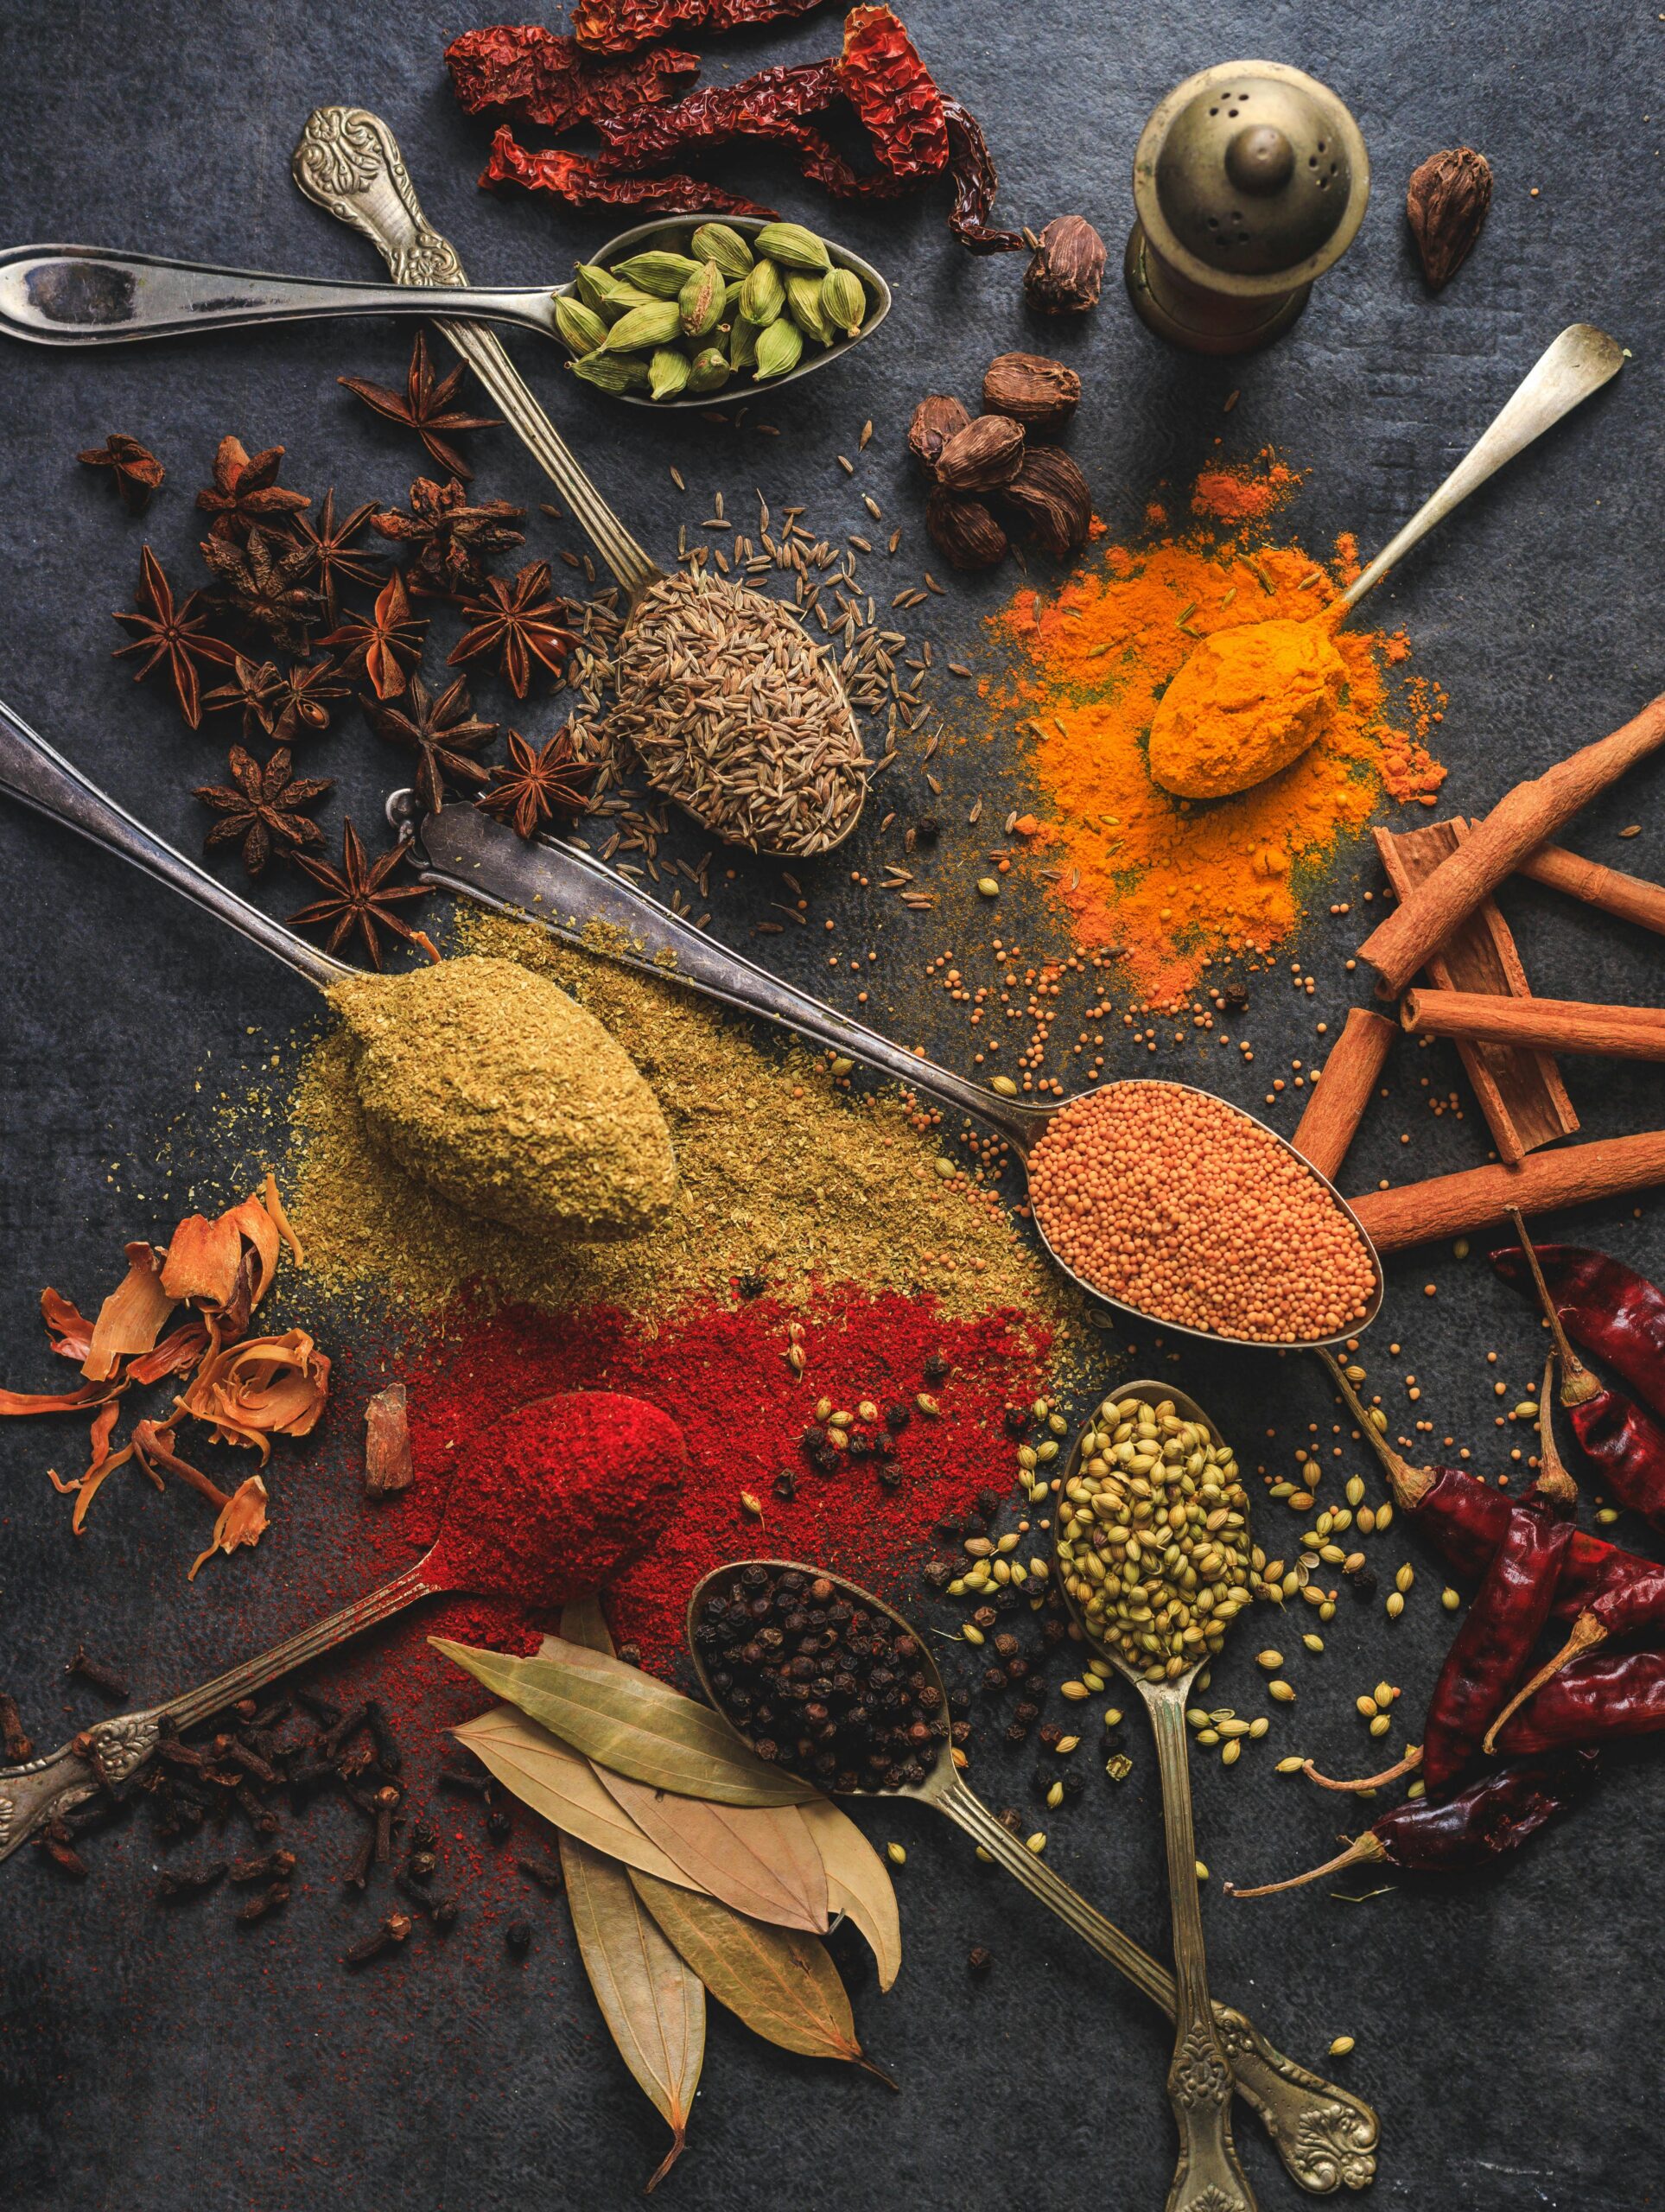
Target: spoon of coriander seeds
[[752, 1623], [1152, 1557]]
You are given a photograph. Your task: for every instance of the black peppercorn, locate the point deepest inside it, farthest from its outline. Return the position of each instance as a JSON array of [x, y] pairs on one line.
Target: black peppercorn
[[898, 1416], [751, 1286], [979, 1959], [1018, 1421], [988, 1503], [1363, 1581], [517, 1938], [1007, 1644], [785, 1485], [936, 1367]]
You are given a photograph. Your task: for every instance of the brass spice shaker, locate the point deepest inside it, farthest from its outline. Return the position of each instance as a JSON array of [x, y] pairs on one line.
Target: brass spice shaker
[[1250, 180]]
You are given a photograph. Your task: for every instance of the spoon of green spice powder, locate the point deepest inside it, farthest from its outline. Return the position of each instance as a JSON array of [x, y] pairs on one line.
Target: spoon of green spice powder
[[484, 1081], [1153, 1556]]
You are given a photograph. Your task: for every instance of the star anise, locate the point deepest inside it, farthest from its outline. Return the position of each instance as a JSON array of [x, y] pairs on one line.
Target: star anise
[[298, 696], [537, 784], [250, 690], [246, 491], [519, 621], [443, 733], [173, 634], [383, 645], [263, 583], [453, 540], [332, 559], [358, 895], [134, 469], [424, 406], [260, 808]]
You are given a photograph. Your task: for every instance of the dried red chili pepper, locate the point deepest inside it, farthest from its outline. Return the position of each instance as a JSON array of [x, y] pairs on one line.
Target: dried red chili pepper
[[1605, 1308], [1450, 1835], [1633, 1606], [579, 182], [975, 180], [771, 106], [881, 74], [620, 26], [1596, 1701], [537, 75], [1619, 1437]]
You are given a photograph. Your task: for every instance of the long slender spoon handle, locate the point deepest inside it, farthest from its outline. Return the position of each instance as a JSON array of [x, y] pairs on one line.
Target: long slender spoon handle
[[111, 1752], [37, 774], [1326, 2137], [1578, 362], [349, 162], [85, 295], [567, 892], [1208, 2177]]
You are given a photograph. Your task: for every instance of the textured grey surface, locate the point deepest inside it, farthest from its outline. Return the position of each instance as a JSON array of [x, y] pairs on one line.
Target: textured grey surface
[[1506, 2028]]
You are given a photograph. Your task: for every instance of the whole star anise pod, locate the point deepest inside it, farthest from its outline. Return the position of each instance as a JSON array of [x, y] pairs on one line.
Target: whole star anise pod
[[425, 407], [536, 785], [383, 645], [263, 584], [520, 622], [441, 732], [332, 557], [249, 691], [173, 634], [134, 469], [246, 491], [453, 540], [298, 696], [358, 895], [260, 808]]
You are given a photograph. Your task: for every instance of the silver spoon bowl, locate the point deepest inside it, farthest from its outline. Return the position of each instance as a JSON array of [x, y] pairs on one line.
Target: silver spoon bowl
[[1325, 2136]]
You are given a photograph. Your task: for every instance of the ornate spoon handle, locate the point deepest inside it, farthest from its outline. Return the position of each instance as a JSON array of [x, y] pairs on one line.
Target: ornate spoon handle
[[349, 162], [1326, 2137]]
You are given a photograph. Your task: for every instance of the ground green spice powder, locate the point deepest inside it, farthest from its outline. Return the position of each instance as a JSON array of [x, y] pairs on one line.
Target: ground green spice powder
[[781, 1176], [499, 1092]]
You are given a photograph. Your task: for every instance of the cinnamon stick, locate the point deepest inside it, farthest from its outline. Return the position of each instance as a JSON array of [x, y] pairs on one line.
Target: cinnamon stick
[[1627, 1032], [1633, 898], [1417, 1213], [1523, 819], [1344, 1087]]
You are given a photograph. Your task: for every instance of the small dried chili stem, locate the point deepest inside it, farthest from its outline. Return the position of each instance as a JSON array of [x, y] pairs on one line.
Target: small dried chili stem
[[1579, 1385], [1364, 1850], [1408, 1764]]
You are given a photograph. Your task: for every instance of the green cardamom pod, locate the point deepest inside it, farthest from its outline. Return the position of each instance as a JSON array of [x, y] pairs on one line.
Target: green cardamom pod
[[596, 286], [803, 305], [610, 372], [710, 371], [656, 324], [721, 242], [742, 344], [843, 301], [780, 348], [793, 246], [731, 292], [663, 274], [700, 300], [668, 372], [581, 326], [762, 295]]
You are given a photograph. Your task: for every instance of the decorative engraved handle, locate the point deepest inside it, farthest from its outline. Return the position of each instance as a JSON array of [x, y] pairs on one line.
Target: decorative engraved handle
[[349, 162], [1208, 2177], [32, 1793], [1325, 2136]]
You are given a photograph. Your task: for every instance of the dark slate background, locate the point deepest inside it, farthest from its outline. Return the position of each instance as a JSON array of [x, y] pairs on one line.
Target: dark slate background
[[1506, 2028]]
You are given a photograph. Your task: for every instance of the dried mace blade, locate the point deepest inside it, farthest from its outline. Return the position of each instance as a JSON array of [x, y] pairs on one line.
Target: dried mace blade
[[521, 623], [358, 896], [443, 733], [453, 540], [386, 645], [424, 406], [263, 585], [173, 634], [246, 491], [1445, 205], [536, 785], [134, 469], [262, 808]]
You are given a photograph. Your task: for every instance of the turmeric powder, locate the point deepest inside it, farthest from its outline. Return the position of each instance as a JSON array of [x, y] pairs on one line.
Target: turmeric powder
[[1248, 701]]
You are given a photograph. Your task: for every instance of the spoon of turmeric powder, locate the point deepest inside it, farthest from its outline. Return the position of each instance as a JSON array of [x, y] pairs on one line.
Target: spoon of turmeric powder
[[1253, 697]]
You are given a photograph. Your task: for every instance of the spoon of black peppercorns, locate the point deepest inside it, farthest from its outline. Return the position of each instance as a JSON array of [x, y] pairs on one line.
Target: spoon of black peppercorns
[[819, 1675]]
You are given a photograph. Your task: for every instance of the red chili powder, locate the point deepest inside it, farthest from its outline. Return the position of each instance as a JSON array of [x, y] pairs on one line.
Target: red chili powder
[[1244, 493], [721, 1374], [550, 1499]]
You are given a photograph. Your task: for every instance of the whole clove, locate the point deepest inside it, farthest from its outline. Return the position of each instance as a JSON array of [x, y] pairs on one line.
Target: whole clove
[[177, 1882], [387, 1752], [263, 1902], [104, 1679], [544, 1872], [517, 1938], [324, 1710], [465, 1785], [357, 1872], [55, 1841], [15, 1742], [394, 1931], [264, 1866]]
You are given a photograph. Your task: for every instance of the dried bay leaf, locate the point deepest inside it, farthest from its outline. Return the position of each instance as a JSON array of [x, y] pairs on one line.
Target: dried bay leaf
[[624, 1719], [858, 1883], [779, 1982], [760, 1858], [653, 2005], [583, 1621], [549, 1776]]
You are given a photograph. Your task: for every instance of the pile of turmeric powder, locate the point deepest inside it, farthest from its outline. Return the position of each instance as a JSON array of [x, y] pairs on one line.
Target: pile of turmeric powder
[[1166, 880]]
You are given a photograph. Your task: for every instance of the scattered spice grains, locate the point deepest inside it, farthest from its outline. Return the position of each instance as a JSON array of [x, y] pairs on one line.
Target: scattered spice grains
[[1178, 1204], [1245, 493]]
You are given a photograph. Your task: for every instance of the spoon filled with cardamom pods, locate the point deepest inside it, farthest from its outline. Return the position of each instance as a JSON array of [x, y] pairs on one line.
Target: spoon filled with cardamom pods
[[751, 1624]]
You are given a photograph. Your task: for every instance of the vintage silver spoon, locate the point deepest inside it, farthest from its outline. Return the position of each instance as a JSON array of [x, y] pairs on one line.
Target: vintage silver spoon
[[1326, 2137], [1209, 2177]]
